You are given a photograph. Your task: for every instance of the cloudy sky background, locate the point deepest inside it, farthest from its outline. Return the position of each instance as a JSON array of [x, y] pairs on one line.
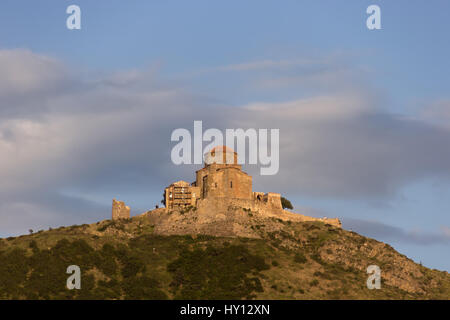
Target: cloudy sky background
[[364, 116]]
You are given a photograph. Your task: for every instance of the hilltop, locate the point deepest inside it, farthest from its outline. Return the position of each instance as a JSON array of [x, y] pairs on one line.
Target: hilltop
[[266, 258]]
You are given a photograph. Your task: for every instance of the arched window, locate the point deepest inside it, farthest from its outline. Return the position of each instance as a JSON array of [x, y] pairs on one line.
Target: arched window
[[231, 184]]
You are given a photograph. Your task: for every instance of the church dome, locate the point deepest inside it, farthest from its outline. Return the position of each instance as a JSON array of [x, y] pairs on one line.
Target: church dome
[[220, 154], [221, 149]]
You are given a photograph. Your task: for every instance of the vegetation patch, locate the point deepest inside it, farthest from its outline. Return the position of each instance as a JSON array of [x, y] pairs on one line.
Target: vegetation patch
[[230, 272]]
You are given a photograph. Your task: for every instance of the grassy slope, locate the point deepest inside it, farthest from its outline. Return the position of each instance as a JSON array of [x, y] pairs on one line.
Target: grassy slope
[[126, 260]]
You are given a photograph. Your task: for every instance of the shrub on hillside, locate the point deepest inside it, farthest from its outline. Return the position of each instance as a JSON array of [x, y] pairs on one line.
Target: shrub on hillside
[[300, 258], [216, 273]]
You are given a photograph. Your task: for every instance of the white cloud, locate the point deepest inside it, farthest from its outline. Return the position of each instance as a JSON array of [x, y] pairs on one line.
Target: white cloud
[[446, 231], [23, 72], [437, 113]]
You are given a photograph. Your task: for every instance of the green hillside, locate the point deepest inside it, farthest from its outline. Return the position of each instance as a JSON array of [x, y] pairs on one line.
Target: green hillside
[[126, 260]]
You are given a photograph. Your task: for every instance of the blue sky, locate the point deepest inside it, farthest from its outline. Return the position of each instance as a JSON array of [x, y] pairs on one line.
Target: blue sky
[[384, 168]]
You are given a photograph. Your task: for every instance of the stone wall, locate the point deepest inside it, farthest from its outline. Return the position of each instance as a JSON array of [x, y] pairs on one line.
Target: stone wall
[[224, 181], [258, 208], [273, 200], [120, 210]]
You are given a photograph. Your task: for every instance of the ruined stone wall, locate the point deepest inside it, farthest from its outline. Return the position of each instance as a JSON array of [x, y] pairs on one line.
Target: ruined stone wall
[[273, 200], [224, 203], [120, 210], [260, 208], [195, 195]]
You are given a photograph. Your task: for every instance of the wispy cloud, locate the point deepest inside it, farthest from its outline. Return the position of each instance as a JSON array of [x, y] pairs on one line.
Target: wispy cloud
[[266, 64], [437, 112]]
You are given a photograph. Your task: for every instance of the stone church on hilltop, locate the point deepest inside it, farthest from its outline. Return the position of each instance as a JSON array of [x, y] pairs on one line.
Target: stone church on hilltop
[[221, 178], [219, 202]]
